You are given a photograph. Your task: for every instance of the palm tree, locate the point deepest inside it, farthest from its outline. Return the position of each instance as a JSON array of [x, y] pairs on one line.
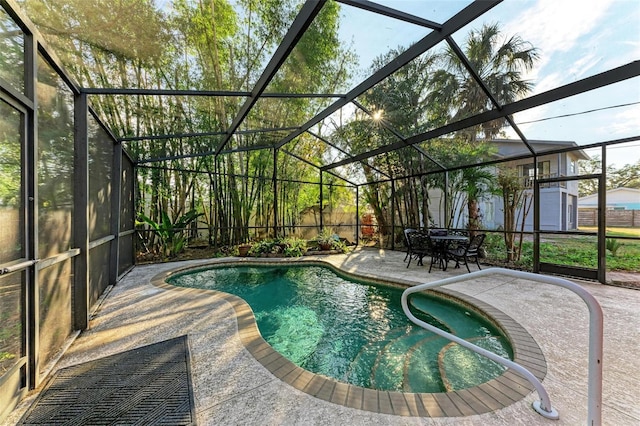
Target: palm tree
[[476, 181], [499, 65]]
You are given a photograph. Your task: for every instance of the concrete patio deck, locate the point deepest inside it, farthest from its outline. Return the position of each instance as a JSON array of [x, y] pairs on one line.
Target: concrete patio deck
[[231, 387]]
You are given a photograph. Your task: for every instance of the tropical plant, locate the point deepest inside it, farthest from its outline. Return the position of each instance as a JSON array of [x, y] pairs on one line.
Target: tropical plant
[[517, 202], [294, 247], [170, 234], [475, 183], [326, 238], [265, 246], [340, 246], [287, 247], [500, 63], [401, 106], [431, 91], [613, 246], [202, 44]]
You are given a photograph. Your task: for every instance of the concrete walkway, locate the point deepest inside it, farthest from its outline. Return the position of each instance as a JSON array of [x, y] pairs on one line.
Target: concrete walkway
[[232, 388]]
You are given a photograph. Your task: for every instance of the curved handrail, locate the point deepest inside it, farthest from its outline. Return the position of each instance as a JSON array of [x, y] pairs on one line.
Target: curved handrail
[[543, 406]]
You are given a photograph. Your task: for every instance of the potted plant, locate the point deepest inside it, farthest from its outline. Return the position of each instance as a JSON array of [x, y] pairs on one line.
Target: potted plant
[[326, 239], [243, 249]]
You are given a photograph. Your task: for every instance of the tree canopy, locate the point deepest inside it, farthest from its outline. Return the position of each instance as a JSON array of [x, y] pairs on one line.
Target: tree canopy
[[220, 45], [627, 176]]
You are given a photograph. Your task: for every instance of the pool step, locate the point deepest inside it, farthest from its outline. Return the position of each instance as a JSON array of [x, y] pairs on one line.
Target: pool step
[[391, 367], [457, 320], [421, 372], [359, 372], [421, 361], [461, 368]]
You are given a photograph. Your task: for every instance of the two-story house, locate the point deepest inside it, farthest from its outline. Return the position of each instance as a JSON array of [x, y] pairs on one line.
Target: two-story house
[[558, 200]]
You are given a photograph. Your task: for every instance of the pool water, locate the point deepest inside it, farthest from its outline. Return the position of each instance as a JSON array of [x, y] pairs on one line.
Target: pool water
[[356, 332]]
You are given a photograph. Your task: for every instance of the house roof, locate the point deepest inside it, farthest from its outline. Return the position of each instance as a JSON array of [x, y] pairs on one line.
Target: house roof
[[632, 191], [510, 147]]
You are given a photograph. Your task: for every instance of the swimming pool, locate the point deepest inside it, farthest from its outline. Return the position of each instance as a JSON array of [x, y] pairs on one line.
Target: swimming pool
[[356, 332]]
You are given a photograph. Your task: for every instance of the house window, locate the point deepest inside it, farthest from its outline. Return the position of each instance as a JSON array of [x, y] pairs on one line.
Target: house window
[[527, 170]]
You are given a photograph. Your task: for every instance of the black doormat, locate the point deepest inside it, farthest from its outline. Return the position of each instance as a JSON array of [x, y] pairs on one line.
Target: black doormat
[[150, 385]]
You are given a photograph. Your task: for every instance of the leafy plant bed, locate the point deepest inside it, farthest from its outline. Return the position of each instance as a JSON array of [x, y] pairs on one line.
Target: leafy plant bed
[[307, 253], [188, 253], [315, 252]]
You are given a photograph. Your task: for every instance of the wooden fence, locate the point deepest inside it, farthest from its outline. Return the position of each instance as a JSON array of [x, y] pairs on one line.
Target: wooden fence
[[622, 218]]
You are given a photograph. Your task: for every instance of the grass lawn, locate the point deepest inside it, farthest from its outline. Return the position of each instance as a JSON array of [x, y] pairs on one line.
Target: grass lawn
[[614, 232], [576, 250], [583, 251]]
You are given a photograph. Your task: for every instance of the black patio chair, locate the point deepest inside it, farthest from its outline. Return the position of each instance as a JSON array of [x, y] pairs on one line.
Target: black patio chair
[[468, 251], [418, 246], [439, 256], [407, 242]]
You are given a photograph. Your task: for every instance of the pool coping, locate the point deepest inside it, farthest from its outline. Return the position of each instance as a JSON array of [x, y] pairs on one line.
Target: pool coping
[[490, 396]]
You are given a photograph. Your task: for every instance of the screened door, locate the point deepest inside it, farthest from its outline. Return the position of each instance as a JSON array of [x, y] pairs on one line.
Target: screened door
[[569, 238]]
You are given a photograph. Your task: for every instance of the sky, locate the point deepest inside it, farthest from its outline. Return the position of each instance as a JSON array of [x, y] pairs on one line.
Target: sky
[[575, 39]]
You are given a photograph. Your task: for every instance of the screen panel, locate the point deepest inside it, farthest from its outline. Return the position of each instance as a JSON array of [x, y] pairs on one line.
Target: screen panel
[[55, 286], [99, 263], [12, 244], [12, 343], [55, 162], [100, 180], [11, 52]]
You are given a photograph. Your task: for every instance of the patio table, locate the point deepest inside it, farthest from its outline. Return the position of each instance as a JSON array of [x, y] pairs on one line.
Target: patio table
[[441, 246]]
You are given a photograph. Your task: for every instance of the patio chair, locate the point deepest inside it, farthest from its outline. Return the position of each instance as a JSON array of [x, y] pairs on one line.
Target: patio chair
[[406, 241], [466, 252], [439, 256], [418, 246]]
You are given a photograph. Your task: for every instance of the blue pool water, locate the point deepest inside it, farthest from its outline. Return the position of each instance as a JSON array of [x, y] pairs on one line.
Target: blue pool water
[[356, 332]]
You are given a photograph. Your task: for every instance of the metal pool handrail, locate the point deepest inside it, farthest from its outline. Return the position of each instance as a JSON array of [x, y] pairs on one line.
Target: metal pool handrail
[[543, 406]]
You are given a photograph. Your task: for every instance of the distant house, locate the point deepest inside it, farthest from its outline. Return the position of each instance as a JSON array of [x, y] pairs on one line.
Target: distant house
[[558, 200], [617, 199], [622, 208]]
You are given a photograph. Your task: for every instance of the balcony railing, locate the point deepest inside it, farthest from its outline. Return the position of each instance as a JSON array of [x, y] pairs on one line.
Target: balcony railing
[[527, 181]]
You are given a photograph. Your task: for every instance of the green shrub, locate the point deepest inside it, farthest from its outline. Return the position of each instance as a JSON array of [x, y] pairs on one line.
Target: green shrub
[[288, 247], [494, 246], [327, 237], [262, 247], [613, 246], [171, 234], [294, 247], [330, 238], [340, 245]]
